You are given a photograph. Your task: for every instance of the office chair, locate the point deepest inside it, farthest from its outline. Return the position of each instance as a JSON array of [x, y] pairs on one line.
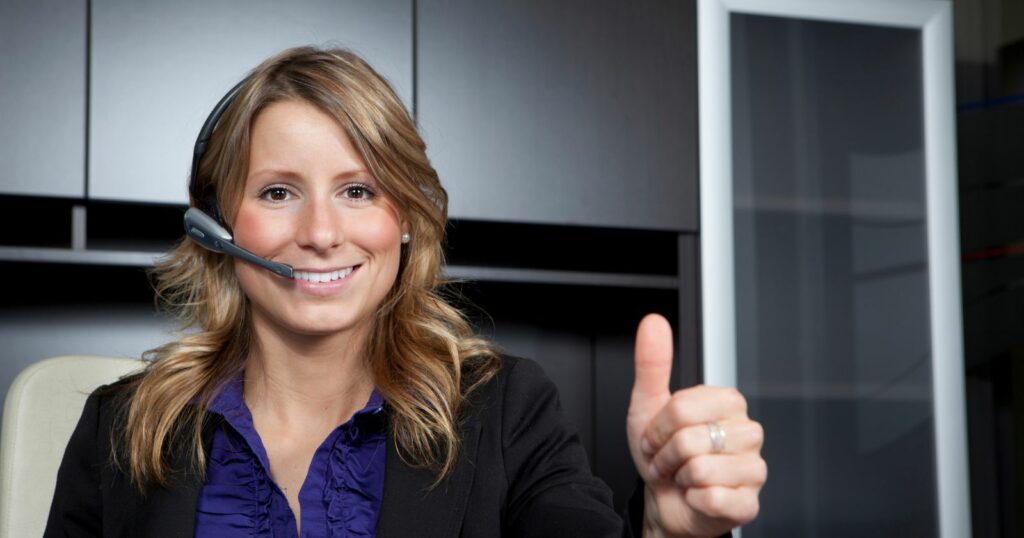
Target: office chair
[[41, 410]]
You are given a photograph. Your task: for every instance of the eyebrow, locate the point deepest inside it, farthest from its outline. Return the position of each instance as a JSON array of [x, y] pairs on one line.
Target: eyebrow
[[358, 173]]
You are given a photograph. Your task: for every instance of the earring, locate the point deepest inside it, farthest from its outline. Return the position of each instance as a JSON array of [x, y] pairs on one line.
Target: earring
[[405, 237]]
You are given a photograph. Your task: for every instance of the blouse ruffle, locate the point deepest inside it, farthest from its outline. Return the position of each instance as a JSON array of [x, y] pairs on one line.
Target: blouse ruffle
[[341, 494], [352, 493]]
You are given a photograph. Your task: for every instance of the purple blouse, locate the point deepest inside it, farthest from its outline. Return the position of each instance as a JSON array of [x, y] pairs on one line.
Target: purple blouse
[[341, 494]]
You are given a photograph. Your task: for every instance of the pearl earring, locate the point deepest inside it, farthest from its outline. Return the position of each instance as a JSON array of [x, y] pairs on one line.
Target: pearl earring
[[405, 237]]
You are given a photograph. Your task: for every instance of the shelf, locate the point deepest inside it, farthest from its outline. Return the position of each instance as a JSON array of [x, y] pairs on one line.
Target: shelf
[[833, 207], [78, 256], [548, 276], [461, 272]]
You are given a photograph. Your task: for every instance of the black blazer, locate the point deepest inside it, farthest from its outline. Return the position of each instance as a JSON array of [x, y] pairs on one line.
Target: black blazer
[[521, 471]]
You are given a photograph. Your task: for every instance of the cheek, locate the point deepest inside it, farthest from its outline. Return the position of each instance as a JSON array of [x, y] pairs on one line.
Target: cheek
[[380, 233], [259, 233]]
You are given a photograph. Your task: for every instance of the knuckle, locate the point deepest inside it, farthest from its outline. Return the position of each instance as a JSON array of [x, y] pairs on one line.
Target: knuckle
[[690, 394], [757, 432], [690, 442], [653, 435], [683, 478], [701, 471], [681, 444], [717, 502], [737, 399], [705, 392], [751, 509], [679, 410], [760, 471]]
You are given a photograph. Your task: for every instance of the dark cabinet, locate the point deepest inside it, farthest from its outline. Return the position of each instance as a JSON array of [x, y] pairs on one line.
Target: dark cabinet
[[574, 112], [157, 68], [42, 97]]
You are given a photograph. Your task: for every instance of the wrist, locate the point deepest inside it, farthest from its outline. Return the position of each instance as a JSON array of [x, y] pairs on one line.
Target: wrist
[[652, 521], [651, 529]]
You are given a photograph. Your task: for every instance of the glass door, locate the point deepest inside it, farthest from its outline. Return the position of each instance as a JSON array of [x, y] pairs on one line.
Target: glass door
[[829, 241]]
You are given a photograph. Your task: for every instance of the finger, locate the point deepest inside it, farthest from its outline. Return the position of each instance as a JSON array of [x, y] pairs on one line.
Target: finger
[[735, 506], [728, 470], [740, 436], [653, 364], [694, 406]]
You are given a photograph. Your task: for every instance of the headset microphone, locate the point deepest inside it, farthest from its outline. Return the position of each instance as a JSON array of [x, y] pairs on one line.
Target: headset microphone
[[206, 226], [202, 229]]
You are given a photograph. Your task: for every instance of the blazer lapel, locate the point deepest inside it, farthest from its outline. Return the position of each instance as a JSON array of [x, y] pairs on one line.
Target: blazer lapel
[[411, 508], [173, 511], [170, 512]]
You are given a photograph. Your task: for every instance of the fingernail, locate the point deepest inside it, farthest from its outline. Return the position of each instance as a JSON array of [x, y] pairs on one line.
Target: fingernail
[[645, 446]]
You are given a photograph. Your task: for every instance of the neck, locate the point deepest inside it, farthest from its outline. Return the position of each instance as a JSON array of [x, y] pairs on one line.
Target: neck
[[306, 380]]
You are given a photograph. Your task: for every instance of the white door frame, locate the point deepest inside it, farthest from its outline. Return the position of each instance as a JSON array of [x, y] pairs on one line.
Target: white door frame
[[933, 19]]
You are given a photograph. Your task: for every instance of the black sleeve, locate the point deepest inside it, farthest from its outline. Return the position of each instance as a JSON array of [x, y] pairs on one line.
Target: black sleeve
[[76, 509], [633, 514], [551, 489]]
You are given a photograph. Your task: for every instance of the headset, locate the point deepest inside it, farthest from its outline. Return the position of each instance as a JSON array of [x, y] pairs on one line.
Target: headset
[[205, 224]]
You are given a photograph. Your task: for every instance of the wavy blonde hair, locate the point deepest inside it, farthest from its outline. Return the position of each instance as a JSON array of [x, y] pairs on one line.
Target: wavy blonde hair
[[422, 353]]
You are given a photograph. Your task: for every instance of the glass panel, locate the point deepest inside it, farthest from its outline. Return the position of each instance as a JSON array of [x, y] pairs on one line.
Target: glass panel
[[833, 343]]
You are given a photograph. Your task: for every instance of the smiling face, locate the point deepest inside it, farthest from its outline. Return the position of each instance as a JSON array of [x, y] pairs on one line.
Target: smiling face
[[310, 202]]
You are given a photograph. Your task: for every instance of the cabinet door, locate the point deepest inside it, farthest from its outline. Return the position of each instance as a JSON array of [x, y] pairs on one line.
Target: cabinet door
[[42, 97], [577, 112], [159, 67]]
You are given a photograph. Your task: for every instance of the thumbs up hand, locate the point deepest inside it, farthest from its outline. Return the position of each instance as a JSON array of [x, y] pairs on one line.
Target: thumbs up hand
[[696, 449]]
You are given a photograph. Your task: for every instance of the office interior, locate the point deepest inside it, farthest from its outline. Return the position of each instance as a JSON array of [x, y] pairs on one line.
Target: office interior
[[576, 143]]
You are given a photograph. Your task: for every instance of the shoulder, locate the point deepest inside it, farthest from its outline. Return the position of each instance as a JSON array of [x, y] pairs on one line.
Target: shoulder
[[110, 398], [516, 378], [518, 402], [99, 417], [534, 452], [104, 413], [522, 370]]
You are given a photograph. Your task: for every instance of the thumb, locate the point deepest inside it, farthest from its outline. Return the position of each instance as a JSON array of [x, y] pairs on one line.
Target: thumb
[[653, 364]]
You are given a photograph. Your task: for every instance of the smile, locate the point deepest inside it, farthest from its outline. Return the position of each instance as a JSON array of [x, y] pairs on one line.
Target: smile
[[315, 277]]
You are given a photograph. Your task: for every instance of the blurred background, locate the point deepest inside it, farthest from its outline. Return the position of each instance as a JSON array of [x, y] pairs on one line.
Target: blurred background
[[567, 136]]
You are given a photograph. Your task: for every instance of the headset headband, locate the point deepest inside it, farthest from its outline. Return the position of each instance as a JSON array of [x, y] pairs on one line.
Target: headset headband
[[205, 198]]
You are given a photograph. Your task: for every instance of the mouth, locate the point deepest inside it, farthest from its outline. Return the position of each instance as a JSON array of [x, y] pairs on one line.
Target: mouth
[[325, 276]]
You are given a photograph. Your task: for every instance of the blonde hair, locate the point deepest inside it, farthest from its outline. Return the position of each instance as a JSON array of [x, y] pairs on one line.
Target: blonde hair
[[422, 353]]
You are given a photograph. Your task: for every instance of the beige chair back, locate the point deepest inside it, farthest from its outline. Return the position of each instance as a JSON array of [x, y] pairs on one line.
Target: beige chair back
[[42, 408]]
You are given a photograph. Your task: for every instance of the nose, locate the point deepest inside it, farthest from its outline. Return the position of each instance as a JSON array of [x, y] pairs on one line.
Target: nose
[[320, 225]]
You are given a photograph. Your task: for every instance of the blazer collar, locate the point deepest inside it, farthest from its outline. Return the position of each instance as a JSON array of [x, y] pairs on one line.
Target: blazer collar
[[412, 508]]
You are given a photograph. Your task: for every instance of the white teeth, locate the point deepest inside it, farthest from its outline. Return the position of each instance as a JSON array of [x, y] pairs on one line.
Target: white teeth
[[323, 277]]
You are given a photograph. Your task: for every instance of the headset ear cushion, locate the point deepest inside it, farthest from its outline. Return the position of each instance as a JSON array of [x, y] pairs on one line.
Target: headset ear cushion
[[210, 206]]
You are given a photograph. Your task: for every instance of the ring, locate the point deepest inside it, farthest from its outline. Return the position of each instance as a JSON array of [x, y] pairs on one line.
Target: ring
[[717, 437]]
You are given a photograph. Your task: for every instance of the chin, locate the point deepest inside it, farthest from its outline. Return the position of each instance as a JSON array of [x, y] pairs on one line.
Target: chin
[[323, 327]]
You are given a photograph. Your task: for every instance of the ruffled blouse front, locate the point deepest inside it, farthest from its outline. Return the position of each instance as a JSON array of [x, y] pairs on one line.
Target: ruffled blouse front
[[341, 494]]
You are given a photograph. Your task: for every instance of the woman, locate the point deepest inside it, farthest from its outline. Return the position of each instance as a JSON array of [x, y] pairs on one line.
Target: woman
[[352, 400]]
